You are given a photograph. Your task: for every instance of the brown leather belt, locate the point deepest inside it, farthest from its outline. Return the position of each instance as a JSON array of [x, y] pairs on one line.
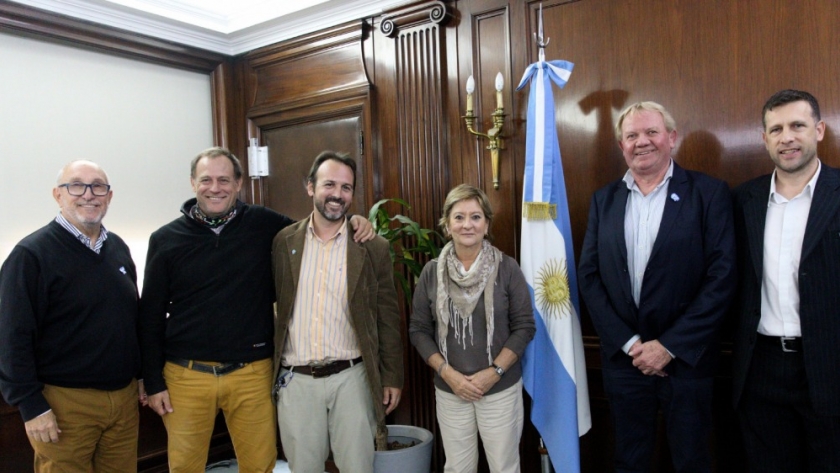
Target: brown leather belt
[[322, 371]]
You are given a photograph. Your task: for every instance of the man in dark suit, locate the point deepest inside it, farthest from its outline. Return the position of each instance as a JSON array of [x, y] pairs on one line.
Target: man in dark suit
[[787, 344], [657, 276]]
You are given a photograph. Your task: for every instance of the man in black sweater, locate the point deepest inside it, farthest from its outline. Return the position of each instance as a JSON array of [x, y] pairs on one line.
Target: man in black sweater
[[207, 319], [68, 342]]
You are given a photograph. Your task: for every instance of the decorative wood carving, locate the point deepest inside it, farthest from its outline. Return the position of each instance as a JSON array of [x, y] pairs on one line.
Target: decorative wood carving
[[417, 14], [312, 69]]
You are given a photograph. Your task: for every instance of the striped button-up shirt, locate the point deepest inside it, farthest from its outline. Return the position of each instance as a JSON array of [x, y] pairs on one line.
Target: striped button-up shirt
[[320, 329], [97, 246]]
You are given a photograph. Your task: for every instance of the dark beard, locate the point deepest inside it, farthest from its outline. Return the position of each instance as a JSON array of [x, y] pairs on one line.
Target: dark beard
[[322, 209]]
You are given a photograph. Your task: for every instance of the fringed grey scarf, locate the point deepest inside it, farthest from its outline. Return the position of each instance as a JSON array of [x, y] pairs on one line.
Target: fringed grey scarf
[[457, 294]]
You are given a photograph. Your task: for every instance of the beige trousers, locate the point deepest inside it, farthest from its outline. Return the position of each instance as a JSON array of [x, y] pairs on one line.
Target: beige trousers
[[498, 418], [336, 412]]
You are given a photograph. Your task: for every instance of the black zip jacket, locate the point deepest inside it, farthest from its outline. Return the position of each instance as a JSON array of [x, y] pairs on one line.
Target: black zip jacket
[[208, 297]]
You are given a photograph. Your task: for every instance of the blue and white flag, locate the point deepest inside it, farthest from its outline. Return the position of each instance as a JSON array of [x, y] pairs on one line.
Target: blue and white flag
[[554, 370]]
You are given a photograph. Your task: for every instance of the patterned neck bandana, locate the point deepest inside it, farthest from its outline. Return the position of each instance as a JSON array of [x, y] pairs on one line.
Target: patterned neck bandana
[[212, 222]]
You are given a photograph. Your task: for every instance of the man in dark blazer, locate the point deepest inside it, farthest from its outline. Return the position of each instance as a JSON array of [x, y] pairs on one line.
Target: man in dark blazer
[[657, 276], [787, 343]]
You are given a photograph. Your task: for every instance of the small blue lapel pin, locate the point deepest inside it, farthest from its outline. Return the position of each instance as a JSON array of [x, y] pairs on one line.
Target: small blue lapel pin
[[675, 197]]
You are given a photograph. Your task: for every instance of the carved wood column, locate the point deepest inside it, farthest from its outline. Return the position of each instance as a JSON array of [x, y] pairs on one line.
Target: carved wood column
[[420, 91], [421, 143]]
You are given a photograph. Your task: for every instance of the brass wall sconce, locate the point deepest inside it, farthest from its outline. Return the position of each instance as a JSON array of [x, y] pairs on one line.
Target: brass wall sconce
[[493, 135]]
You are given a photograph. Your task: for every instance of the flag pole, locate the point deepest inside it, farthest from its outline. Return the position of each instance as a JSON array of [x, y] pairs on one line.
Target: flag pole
[[542, 42], [539, 37], [545, 460]]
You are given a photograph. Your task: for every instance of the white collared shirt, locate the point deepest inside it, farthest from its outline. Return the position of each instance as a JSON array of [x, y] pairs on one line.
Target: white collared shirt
[[784, 232]]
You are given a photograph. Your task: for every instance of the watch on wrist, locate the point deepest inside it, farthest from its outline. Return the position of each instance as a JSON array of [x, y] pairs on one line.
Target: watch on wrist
[[498, 369]]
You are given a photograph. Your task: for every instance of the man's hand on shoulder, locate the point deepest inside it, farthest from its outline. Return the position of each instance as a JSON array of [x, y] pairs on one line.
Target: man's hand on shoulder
[[160, 403], [43, 428], [363, 228]]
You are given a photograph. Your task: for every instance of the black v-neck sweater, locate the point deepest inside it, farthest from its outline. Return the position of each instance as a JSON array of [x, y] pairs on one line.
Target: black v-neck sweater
[[68, 317]]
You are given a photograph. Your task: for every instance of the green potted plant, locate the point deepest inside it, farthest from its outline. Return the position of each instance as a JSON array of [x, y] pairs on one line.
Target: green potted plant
[[411, 245], [410, 447]]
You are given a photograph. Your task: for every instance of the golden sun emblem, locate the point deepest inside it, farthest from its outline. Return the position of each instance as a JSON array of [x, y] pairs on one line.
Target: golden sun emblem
[[551, 290]]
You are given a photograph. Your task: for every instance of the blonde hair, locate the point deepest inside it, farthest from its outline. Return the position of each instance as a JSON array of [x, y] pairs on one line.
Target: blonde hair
[[466, 192], [648, 106]]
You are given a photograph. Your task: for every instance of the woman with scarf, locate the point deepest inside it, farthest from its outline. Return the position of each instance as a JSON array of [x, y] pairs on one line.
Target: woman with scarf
[[472, 319]]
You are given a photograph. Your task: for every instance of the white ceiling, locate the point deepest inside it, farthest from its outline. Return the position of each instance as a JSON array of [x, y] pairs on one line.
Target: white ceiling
[[223, 26]]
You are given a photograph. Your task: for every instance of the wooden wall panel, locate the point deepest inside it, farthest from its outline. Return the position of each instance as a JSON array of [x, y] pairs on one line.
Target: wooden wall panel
[[306, 70], [491, 55], [711, 63]]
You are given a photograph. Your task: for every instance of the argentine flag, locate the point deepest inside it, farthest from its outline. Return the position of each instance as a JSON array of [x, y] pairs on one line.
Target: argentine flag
[[554, 370]]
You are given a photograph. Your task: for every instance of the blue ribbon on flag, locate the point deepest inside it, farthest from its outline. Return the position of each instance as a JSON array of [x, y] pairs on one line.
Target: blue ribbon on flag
[[540, 150]]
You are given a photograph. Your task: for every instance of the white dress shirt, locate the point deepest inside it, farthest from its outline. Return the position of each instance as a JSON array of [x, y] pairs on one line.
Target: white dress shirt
[[783, 235]]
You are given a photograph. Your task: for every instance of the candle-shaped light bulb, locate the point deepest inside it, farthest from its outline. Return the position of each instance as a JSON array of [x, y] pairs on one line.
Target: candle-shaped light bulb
[[470, 90], [500, 84]]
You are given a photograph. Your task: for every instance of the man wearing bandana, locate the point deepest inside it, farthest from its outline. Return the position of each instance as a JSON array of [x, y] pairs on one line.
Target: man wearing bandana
[[207, 319], [657, 275]]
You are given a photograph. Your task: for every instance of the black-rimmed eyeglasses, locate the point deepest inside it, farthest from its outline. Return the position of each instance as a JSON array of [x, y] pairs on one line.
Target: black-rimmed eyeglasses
[[77, 189]]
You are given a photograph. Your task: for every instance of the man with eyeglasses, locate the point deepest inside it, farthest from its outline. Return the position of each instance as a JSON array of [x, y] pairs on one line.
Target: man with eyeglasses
[[69, 354]]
